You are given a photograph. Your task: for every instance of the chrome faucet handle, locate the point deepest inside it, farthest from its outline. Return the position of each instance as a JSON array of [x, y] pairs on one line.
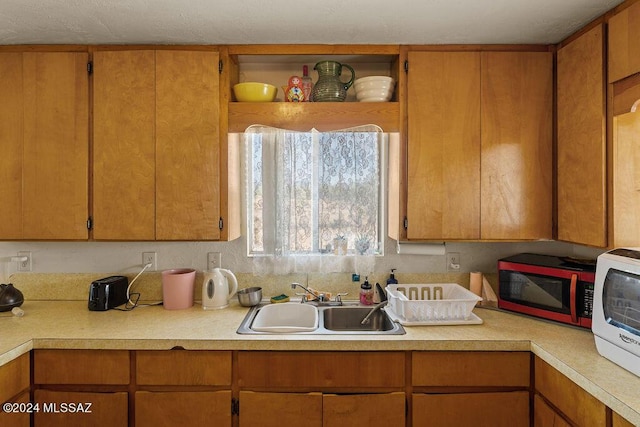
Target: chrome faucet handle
[[339, 296]]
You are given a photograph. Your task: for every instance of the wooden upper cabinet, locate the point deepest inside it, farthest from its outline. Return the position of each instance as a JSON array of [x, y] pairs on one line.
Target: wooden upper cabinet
[[157, 152], [443, 153], [45, 126], [480, 146], [124, 145], [11, 129], [516, 152], [624, 43], [187, 146], [581, 151], [626, 180]]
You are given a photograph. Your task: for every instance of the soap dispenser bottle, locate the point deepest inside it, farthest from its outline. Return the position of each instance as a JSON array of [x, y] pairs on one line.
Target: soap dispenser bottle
[[392, 278], [366, 293]]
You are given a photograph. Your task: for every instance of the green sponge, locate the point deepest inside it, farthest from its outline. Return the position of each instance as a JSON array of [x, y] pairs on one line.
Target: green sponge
[[280, 298]]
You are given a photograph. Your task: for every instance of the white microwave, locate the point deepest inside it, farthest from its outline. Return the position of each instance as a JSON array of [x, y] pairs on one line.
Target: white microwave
[[616, 307]]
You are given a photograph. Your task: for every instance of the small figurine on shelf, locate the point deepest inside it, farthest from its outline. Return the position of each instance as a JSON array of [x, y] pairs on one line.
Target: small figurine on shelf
[[293, 92], [307, 83]]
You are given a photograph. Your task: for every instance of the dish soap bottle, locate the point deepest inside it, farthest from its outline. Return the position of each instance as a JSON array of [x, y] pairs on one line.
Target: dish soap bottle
[[392, 278], [366, 293]]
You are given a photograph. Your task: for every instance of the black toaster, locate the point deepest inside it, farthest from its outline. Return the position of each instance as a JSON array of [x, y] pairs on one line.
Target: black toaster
[[108, 292]]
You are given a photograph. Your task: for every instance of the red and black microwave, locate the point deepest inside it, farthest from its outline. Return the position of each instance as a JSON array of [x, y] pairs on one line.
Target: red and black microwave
[[546, 286]]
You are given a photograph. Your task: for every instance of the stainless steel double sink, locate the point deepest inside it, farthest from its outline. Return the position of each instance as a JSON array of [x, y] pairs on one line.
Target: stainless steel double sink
[[335, 320]]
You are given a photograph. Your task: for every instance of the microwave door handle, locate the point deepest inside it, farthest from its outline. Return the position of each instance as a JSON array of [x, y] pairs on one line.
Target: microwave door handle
[[572, 298]]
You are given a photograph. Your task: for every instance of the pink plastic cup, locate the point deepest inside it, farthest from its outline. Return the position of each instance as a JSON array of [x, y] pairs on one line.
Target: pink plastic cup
[[177, 288]]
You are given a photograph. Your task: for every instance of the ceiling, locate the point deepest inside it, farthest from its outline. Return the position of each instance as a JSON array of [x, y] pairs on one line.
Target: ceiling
[[287, 22]]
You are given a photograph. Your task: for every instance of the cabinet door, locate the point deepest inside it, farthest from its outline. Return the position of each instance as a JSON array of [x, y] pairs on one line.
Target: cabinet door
[[545, 416], [581, 152], [365, 410], [183, 408], [80, 409], [16, 419], [443, 145], [626, 180], [516, 161], [79, 366], [624, 43], [575, 403], [508, 409], [187, 146], [11, 129], [124, 103], [280, 409], [45, 122], [56, 145]]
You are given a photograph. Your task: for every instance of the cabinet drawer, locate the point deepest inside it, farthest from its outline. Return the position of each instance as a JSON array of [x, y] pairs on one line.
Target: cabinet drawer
[[510, 409], [107, 409], [16, 419], [81, 367], [320, 370], [14, 377], [193, 408], [471, 369], [575, 403], [183, 367]]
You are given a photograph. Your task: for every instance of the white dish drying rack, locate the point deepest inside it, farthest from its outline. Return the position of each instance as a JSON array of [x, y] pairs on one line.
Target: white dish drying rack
[[432, 304]]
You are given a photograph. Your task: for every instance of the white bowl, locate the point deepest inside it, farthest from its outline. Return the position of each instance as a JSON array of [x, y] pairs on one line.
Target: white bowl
[[381, 79], [375, 99], [374, 93]]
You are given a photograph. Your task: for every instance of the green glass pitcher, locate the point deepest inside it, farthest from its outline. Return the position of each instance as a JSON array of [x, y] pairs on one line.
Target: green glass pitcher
[[329, 87]]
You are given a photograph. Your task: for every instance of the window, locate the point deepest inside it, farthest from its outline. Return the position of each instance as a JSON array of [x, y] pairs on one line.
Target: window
[[311, 193]]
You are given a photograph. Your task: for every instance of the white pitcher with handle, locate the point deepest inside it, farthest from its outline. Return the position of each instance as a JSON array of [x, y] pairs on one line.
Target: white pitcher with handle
[[216, 292]]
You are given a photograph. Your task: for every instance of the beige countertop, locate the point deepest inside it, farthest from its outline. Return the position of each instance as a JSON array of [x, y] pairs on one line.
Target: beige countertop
[[70, 325]]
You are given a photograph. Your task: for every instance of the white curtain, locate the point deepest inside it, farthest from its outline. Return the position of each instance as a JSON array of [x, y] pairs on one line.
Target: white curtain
[[314, 194]]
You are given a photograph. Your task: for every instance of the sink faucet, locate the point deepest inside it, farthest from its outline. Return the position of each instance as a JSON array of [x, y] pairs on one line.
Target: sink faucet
[[373, 310], [320, 299]]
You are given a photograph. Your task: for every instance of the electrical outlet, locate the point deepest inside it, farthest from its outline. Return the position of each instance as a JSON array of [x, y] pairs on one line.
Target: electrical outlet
[[150, 258], [453, 261], [25, 265], [214, 260]]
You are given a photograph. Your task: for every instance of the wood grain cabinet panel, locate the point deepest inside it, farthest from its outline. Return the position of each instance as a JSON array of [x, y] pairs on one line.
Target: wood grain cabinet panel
[[581, 141], [106, 409], [471, 369], [280, 409], [183, 408], [364, 410], [624, 43], [575, 403], [211, 368], [626, 180], [16, 419], [81, 366], [618, 421], [15, 377], [545, 416], [44, 130], [443, 157], [320, 370], [516, 151], [156, 145], [508, 409]]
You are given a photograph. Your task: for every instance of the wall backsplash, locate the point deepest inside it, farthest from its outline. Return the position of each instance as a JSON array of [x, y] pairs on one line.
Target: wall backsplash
[[126, 257]]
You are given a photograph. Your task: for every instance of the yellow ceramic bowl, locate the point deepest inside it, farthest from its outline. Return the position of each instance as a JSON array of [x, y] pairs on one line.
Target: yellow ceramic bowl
[[254, 92]]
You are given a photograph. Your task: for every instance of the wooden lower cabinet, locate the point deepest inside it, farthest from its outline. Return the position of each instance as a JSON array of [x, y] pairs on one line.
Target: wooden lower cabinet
[[545, 416], [322, 410], [280, 409], [366, 410], [576, 404], [508, 409], [183, 408], [78, 409], [18, 418]]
